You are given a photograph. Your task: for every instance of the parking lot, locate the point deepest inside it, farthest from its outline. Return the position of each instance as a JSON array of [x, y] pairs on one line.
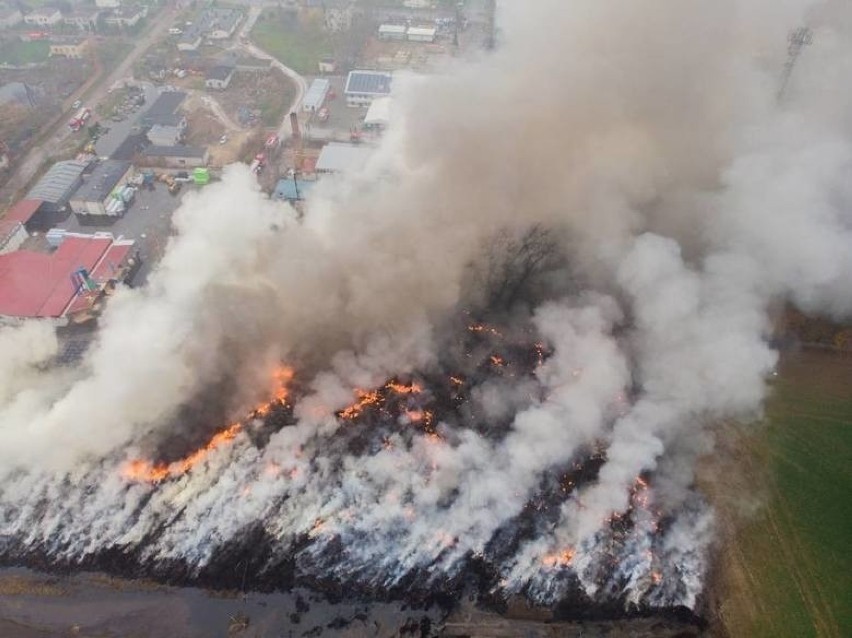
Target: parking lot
[[148, 221]]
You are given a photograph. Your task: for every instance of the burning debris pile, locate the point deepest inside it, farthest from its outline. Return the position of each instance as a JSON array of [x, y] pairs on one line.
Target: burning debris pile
[[506, 346]]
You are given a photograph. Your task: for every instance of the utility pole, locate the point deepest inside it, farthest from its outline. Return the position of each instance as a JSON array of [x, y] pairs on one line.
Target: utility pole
[[798, 40]]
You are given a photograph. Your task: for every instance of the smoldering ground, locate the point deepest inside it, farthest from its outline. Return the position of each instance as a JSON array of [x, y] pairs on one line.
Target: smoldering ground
[[676, 199]]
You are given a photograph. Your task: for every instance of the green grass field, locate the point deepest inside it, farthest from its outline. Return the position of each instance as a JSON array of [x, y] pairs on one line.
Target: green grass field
[[18, 52], [790, 571], [300, 49]]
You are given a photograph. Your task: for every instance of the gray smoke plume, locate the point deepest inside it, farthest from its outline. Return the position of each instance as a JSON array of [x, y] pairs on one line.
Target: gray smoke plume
[[682, 200]]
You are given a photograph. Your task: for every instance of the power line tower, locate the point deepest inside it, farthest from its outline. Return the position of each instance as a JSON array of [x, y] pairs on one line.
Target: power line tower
[[798, 40]]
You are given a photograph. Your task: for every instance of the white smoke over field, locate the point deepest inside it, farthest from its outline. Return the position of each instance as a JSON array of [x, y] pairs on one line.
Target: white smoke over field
[[672, 199]]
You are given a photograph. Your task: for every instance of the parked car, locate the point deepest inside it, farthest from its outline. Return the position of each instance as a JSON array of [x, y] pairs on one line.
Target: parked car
[[77, 104], [223, 139]]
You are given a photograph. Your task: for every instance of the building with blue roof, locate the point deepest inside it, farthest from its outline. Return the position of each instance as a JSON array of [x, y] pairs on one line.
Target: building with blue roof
[[290, 190]]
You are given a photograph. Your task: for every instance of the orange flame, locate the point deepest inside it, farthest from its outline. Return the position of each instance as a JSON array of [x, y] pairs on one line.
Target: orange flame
[[560, 559], [497, 360], [365, 399], [142, 471], [481, 327], [401, 388]]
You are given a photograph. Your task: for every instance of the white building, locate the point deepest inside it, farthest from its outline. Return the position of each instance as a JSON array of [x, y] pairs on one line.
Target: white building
[[378, 115], [83, 19], [316, 95], [45, 17], [99, 190], [219, 77], [392, 32], [107, 4], [362, 87], [422, 34]]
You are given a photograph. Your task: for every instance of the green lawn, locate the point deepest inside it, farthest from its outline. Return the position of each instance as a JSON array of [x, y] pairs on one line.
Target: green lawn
[[796, 556], [300, 49], [18, 52]]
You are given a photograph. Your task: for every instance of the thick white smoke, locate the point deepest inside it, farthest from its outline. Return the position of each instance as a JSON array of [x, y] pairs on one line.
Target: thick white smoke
[[685, 199]]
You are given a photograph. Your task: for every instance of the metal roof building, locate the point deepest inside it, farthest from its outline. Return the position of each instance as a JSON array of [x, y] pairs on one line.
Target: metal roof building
[[90, 198], [292, 191], [164, 108], [341, 158], [58, 184], [43, 286], [315, 97], [363, 86]]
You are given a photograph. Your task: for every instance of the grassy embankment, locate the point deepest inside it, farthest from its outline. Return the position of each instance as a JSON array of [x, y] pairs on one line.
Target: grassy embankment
[[300, 48], [788, 570]]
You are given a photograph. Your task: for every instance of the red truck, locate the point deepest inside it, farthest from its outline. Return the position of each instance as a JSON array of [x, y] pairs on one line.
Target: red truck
[[80, 119]]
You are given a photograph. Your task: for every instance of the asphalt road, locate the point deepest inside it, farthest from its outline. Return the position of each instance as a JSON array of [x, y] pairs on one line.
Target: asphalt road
[[33, 160]]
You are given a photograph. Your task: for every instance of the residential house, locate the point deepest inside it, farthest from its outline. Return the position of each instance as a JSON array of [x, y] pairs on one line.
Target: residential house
[[44, 17], [190, 40], [220, 24], [125, 17], [85, 19], [69, 48], [219, 77]]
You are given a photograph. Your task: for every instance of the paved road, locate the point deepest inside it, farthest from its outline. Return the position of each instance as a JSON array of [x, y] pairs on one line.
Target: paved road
[[33, 160]]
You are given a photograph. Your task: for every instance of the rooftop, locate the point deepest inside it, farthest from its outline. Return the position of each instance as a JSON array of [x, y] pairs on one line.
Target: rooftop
[[22, 211], [338, 158], [131, 145], [40, 284], [286, 189], [166, 104], [369, 82], [316, 93], [220, 72], [59, 181], [102, 180], [175, 151]]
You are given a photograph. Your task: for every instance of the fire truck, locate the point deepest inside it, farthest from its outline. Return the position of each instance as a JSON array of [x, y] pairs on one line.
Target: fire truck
[[258, 163], [79, 119]]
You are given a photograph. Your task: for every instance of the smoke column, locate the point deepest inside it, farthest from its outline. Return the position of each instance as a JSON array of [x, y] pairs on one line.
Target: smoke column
[[682, 200]]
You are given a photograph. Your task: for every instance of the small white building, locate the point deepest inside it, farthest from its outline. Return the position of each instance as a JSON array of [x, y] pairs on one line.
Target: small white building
[[316, 95], [107, 4], [422, 34], [362, 87], [72, 49], [392, 32], [46, 17], [328, 65], [378, 115]]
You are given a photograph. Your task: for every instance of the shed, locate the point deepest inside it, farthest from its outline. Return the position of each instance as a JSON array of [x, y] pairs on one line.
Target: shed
[[422, 34], [316, 95], [175, 156], [342, 158], [392, 32], [57, 185]]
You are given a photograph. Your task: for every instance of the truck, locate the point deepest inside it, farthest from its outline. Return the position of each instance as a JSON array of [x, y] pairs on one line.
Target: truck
[[77, 122], [258, 163]]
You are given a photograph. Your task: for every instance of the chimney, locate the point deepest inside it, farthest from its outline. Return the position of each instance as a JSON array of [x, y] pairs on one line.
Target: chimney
[[294, 124]]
